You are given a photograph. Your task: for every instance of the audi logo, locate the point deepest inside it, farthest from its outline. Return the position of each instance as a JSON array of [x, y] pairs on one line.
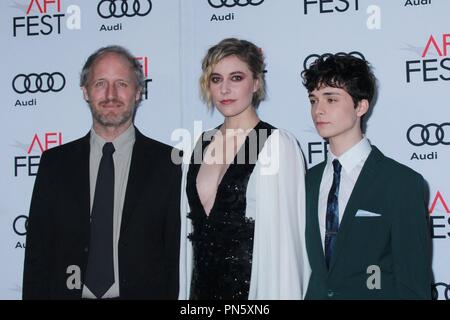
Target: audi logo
[[20, 225], [431, 134], [123, 8], [233, 3], [34, 82], [439, 289], [313, 57]]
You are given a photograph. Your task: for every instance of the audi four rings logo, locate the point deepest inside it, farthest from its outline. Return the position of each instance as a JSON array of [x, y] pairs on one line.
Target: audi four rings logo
[[313, 57], [431, 134], [233, 3], [20, 225], [440, 288], [34, 82], [123, 8]]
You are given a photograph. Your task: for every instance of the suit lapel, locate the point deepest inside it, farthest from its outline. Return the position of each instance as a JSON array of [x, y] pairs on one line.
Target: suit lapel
[[81, 185], [357, 200], [141, 163], [313, 200]]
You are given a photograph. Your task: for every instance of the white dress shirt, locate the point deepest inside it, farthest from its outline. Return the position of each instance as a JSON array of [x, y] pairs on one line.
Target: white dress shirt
[[123, 146], [352, 162]]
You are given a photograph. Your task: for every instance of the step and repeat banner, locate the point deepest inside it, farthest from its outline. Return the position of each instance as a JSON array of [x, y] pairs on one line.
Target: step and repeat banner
[[46, 42]]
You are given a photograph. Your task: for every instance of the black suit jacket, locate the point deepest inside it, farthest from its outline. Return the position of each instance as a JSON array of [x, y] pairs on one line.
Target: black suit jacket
[[397, 240], [59, 221]]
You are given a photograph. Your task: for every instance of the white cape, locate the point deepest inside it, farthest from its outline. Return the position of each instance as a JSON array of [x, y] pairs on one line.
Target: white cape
[[280, 266]]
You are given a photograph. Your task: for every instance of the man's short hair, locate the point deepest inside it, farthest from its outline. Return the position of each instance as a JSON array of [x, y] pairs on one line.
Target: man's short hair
[[121, 51]]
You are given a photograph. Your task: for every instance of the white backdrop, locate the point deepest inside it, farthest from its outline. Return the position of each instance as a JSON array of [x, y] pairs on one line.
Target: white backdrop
[[407, 42]]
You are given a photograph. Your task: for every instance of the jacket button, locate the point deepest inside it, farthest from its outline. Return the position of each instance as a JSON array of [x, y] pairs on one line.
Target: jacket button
[[86, 249], [330, 293]]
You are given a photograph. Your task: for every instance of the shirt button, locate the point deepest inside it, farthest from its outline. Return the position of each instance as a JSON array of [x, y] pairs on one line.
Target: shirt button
[[330, 293]]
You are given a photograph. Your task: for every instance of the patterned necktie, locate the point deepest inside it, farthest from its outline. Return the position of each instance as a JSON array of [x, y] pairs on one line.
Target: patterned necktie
[[332, 218], [100, 266]]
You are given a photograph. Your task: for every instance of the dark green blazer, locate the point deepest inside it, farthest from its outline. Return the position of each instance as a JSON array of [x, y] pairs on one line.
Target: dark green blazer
[[397, 241]]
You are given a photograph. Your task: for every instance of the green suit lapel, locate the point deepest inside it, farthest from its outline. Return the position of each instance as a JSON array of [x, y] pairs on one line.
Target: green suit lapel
[[313, 201]]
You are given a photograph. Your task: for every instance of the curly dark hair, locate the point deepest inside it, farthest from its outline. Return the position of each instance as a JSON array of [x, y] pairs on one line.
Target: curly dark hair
[[343, 71]]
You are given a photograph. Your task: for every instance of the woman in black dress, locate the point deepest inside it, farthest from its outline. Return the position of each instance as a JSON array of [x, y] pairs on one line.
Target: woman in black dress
[[238, 240]]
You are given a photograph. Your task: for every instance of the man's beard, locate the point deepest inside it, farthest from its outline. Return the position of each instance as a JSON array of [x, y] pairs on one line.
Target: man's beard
[[107, 120]]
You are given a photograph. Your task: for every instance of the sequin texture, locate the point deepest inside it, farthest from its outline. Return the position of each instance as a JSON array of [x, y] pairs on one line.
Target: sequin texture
[[223, 241]]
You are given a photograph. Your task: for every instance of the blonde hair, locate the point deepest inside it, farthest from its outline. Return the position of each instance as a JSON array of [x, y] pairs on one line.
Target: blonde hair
[[244, 50]]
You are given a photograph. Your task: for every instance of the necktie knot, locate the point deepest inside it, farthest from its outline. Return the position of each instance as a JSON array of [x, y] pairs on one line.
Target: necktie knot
[[108, 148], [337, 166]]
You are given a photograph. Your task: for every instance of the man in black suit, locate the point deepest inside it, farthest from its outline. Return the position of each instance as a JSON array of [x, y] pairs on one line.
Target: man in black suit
[[366, 214], [104, 217]]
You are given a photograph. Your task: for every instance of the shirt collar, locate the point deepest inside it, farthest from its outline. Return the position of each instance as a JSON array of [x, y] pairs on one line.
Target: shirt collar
[[353, 156], [121, 143]]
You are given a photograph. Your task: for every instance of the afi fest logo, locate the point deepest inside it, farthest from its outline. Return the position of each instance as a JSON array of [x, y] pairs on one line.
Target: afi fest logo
[[434, 63], [28, 165], [439, 216], [45, 17], [144, 63], [440, 230], [317, 152], [327, 7], [330, 6]]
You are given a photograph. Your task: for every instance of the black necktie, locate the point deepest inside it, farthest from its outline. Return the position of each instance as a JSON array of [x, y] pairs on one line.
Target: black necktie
[[100, 266], [332, 218]]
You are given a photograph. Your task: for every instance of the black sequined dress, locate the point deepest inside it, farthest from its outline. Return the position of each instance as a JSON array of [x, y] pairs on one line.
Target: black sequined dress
[[223, 241]]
